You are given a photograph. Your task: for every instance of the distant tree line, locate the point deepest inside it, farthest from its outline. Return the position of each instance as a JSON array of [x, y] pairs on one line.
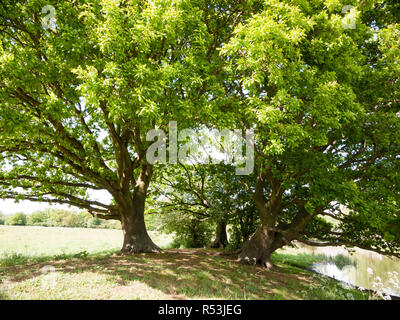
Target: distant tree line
[[57, 218]]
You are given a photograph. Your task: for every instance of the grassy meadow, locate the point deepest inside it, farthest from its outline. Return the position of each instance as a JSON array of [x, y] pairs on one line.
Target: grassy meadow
[[74, 263]]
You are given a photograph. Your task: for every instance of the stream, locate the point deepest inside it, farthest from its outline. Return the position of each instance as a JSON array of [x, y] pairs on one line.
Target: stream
[[371, 270]]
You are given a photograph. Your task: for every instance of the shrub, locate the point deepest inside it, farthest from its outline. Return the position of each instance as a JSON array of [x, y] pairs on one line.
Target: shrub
[[70, 220], [341, 261], [18, 219], [153, 221], [38, 218], [244, 224], [94, 223], [189, 231]]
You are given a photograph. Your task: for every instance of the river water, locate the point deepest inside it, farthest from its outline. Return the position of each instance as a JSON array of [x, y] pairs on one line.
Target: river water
[[371, 270]]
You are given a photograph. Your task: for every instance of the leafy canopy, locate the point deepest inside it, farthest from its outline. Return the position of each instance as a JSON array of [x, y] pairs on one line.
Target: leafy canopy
[[324, 100]]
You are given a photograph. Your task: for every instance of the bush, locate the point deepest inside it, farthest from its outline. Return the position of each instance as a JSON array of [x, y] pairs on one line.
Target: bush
[[59, 218], [18, 219], [38, 218], [189, 231], [153, 221], [244, 224], [70, 220], [94, 223], [111, 224], [341, 261]]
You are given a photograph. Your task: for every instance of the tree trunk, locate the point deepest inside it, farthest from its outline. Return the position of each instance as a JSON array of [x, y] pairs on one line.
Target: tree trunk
[[258, 249], [136, 238], [221, 238]]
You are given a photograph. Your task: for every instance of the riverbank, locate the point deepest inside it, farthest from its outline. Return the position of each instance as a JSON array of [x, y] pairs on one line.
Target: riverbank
[[357, 267], [309, 262]]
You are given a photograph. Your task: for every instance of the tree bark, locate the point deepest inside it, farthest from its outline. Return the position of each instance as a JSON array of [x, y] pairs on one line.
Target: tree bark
[[136, 238], [258, 249], [221, 238]]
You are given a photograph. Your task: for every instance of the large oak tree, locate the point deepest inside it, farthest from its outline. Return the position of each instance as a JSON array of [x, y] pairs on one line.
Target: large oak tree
[[324, 100], [78, 95]]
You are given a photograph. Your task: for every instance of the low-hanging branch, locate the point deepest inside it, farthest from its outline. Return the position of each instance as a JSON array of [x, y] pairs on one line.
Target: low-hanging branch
[[91, 206]]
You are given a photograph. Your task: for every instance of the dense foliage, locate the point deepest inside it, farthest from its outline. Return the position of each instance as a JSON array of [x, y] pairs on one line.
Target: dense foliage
[[324, 100], [17, 219]]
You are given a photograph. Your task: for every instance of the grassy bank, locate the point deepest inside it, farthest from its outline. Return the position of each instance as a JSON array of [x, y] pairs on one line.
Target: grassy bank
[[84, 268], [305, 260]]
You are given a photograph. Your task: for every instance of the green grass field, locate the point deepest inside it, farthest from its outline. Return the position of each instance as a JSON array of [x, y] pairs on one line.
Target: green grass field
[[41, 242], [86, 264]]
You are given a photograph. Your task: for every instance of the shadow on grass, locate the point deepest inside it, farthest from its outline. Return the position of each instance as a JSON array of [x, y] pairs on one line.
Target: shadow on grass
[[4, 296], [181, 274], [15, 259]]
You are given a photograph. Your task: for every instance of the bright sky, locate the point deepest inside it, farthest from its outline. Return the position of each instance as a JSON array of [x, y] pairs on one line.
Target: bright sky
[[9, 207]]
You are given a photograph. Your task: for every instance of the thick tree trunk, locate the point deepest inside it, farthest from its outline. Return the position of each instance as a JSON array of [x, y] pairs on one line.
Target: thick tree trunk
[[258, 249], [136, 238], [266, 240], [221, 238]]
